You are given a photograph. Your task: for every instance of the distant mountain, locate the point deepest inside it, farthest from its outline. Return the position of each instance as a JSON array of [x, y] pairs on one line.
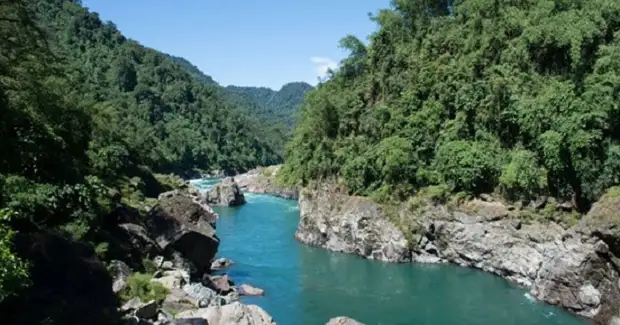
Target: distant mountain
[[281, 105], [261, 103], [193, 70]]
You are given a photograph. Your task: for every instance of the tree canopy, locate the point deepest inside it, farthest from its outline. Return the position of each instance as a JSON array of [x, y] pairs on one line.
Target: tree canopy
[[481, 95], [88, 116]]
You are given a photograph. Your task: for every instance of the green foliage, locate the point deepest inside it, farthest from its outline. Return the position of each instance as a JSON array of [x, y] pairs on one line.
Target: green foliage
[[275, 111], [140, 285], [523, 176], [467, 165], [13, 270], [149, 266], [522, 95], [87, 116], [269, 105], [145, 107]]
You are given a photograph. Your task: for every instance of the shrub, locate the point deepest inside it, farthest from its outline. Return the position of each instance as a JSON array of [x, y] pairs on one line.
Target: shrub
[[523, 176], [467, 165], [13, 270], [140, 285]]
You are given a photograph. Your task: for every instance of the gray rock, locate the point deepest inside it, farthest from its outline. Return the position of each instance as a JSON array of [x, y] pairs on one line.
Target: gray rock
[[221, 263], [167, 265], [133, 320], [249, 290], [349, 224], [222, 284], [574, 268], [179, 300], [120, 272], [158, 261], [226, 193], [188, 321], [174, 279], [205, 296], [147, 310], [556, 264], [136, 241], [235, 313], [139, 309], [164, 317], [343, 321], [262, 180], [181, 263], [178, 223]]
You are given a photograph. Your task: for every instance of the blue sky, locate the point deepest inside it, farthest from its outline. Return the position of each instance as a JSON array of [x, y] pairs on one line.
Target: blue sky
[[245, 42]]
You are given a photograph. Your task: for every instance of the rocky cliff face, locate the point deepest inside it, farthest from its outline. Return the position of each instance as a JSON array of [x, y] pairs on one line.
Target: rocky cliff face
[[349, 224], [262, 180], [562, 267], [575, 268]]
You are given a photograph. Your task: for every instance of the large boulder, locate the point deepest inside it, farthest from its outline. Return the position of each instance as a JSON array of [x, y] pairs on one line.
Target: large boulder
[[178, 223], [234, 313], [349, 224], [343, 321], [131, 243], [226, 193], [249, 290], [222, 284], [120, 272], [69, 285], [220, 264], [262, 180]]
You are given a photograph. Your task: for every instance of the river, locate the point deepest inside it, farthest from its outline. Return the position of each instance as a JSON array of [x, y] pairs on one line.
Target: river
[[308, 286]]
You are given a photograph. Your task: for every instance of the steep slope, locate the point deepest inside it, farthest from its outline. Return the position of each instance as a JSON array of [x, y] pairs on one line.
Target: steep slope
[[167, 119], [281, 105], [86, 115], [275, 111], [471, 97], [193, 70]]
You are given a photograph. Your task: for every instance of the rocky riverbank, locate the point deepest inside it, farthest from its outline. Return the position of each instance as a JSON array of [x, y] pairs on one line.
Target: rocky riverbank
[[574, 267], [182, 283], [261, 180]]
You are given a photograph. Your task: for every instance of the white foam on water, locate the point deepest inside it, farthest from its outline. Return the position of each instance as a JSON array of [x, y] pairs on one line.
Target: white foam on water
[[529, 297], [203, 184]]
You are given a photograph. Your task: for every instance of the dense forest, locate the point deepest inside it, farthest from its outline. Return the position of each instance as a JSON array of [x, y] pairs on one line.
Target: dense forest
[[517, 97], [280, 106], [87, 119], [277, 110]]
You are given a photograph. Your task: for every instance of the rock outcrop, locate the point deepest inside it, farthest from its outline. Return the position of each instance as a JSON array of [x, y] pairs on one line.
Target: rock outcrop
[[235, 313], [178, 223], [249, 290], [262, 180], [120, 272], [179, 238], [221, 264], [574, 268], [343, 321], [349, 224], [226, 193]]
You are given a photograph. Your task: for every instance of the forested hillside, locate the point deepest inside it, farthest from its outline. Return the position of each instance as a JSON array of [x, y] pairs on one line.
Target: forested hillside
[[164, 118], [475, 95], [279, 106], [86, 117], [277, 111]]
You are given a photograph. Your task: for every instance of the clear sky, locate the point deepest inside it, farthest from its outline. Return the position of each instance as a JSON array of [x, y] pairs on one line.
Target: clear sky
[[245, 42]]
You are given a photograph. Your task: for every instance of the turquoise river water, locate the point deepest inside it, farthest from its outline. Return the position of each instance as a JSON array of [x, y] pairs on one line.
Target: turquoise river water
[[308, 286]]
